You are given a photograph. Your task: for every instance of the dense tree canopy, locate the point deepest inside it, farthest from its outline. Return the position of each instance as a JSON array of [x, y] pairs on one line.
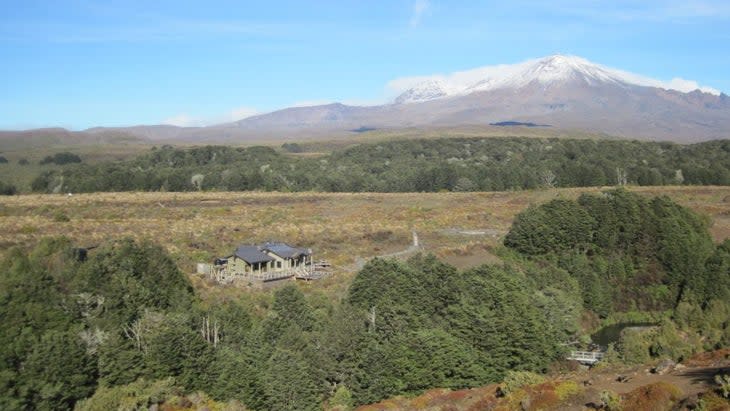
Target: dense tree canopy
[[641, 252], [450, 164]]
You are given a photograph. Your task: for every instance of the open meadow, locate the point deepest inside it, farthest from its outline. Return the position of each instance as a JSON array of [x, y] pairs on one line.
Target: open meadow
[[464, 229]]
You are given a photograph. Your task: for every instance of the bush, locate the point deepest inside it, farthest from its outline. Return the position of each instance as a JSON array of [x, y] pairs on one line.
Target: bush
[[635, 345], [515, 380], [567, 389], [3, 160], [342, 399], [611, 401], [723, 381], [292, 148], [140, 394], [7, 189], [657, 396], [60, 217], [61, 159]]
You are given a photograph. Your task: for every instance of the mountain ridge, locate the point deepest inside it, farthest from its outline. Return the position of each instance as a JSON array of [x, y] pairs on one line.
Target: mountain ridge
[[567, 92]]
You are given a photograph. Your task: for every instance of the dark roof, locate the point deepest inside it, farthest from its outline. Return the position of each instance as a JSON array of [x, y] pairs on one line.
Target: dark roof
[[285, 250], [251, 254]]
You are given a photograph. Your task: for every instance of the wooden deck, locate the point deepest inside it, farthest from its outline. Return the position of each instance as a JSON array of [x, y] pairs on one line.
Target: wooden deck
[[221, 275]]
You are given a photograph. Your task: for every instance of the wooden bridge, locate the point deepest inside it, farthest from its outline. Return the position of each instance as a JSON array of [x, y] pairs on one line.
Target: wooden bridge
[[586, 357]]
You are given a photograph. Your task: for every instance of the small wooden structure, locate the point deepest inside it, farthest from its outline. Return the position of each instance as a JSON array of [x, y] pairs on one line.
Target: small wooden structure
[[255, 265], [266, 258], [586, 357]]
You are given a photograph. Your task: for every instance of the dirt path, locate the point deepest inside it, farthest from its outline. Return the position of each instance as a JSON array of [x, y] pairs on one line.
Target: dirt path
[[360, 262], [689, 380]]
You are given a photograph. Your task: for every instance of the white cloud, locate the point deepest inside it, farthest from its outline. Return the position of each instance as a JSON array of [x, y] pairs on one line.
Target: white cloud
[[186, 120], [688, 85], [419, 8], [677, 83]]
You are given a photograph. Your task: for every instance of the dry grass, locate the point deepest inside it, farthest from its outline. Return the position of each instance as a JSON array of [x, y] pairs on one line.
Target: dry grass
[[343, 228]]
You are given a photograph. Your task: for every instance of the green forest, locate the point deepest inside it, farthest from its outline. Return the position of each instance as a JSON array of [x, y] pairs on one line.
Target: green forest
[[425, 165], [125, 327]]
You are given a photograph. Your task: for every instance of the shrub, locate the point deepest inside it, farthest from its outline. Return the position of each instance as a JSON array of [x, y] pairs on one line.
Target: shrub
[[342, 399], [515, 380], [60, 217], [140, 394], [7, 189], [634, 346], [61, 159], [611, 401], [567, 389], [657, 396], [723, 381], [292, 148], [3, 160]]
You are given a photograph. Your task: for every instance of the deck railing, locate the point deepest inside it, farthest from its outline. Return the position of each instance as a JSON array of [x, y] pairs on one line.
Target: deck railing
[[222, 275]]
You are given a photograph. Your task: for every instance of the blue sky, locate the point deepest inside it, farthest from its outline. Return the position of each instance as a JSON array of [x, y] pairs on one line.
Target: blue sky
[[79, 64]]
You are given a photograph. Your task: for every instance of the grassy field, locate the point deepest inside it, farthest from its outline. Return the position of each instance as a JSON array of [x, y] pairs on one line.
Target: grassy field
[[462, 228]]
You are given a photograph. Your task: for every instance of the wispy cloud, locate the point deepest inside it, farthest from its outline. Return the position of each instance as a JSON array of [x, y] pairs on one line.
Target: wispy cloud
[[420, 7]]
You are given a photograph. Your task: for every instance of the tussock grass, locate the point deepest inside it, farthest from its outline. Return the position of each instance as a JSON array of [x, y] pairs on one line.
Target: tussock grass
[[340, 227]]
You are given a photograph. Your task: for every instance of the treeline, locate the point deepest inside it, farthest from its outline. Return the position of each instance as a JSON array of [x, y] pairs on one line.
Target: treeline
[[125, 326], [449, 164]]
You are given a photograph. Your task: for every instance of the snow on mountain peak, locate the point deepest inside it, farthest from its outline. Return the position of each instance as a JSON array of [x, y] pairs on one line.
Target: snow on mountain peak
[[546, 71], [427, 90]]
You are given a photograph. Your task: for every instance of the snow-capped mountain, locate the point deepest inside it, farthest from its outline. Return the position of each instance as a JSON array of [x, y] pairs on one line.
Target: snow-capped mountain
[[565, 92], [545, 72]]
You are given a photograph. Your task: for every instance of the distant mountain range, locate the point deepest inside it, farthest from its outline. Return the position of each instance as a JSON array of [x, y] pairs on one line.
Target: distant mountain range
[[562, 91]]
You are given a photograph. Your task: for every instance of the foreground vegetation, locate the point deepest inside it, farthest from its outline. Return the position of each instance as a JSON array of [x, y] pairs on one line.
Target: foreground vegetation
[[130, 328], [448, 164]]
